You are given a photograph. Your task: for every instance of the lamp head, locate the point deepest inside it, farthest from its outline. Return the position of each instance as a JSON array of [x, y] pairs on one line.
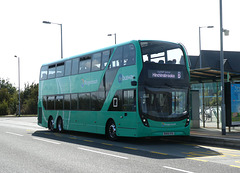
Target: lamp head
[[46, 22]]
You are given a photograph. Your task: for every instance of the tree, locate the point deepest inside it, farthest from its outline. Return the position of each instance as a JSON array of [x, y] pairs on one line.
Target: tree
[[29, 99], [8, 98]]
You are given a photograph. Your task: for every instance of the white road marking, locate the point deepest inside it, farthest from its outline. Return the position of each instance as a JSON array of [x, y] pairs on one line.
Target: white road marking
[[107, 154], [44, 140], [13, 134], [176, 169]]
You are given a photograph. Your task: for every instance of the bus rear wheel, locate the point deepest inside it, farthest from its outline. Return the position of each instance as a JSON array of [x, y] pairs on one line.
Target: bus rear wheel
[[111, 131], [51, 124], [60, 125]]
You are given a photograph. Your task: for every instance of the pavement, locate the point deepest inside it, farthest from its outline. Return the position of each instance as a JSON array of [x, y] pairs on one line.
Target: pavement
[[213, 136]]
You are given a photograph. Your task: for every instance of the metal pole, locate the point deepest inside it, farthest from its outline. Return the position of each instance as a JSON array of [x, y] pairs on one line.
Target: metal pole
[[200, 56], [115, 38], [47, 22], [61, 42], [222, 72], [19, 101], [217, 108], [203, 109]]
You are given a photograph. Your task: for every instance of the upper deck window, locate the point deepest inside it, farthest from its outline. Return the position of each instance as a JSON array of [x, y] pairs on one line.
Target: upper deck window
[[51, 71], [85, 64], [43, 73], [60, 70], [162, 52], [105, 58], [129, 55], [123, 56], [68, 66], [117, 58], [96, 61], [75, 66]]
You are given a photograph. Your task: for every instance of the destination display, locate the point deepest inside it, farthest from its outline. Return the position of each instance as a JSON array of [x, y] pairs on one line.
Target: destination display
[[165, 74]]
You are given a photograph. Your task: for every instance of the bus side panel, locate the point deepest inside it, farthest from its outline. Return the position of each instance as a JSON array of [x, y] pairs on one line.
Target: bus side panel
[[127, 125]]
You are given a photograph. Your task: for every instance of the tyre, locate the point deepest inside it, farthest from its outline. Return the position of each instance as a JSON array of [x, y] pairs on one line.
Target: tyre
[[51, 124], [111, 131], [60, 125]]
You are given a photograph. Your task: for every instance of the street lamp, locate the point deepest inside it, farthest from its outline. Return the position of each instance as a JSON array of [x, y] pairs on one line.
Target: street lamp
[[47, 22], [19, 101], [226, 33], [115, 35], [200, 56]]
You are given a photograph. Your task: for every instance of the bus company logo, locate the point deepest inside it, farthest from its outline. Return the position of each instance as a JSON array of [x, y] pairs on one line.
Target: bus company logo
[[82, 83], [120, 78], [125, 78], [168, 124], [90, 82]]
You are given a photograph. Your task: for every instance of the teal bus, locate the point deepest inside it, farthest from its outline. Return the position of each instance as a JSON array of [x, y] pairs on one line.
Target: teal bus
[[134, 89]]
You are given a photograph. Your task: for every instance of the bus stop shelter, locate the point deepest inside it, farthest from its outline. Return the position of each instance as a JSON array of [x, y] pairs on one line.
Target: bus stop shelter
[[211, 73]]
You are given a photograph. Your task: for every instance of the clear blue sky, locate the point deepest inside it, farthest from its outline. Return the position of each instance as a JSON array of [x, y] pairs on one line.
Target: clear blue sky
[[86, 24]]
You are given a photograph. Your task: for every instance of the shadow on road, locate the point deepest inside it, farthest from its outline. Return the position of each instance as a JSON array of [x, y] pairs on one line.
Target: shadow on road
[[154, 147]]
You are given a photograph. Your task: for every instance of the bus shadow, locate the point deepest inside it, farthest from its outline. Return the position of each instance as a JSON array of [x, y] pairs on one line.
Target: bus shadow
[[154, 147]]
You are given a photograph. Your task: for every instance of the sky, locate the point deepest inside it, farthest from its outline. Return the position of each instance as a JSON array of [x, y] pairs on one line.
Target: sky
[[86, 24]]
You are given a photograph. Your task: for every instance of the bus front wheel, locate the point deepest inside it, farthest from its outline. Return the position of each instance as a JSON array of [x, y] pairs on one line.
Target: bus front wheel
[[111, 131]]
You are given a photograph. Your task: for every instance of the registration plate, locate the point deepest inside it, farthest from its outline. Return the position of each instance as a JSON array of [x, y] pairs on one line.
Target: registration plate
[[168, 133]]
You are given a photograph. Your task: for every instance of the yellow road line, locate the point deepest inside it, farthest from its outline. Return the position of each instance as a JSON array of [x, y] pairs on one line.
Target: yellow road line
[[235, 166], [107, 144], [198, 159], [232, 155], [72, 137], [159, 153], [130, 148]]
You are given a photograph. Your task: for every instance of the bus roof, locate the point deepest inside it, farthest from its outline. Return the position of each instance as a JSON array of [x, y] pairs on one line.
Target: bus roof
[[102, 49]]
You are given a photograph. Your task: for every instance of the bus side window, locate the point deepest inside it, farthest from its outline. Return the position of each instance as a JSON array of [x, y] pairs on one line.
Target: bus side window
[[60, 70], [129, 100], [129, 55], [85, 64], [68, 66], [74, 101], [50, 102], [51, 71], [105, 58], [44, 100], [84, 101], [43, 73], [96, 61], [67, 102], [75, 66], [117, 58], [59, 102]]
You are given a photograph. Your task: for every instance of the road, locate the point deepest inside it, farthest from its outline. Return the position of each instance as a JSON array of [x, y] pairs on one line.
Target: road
[[27, 147]]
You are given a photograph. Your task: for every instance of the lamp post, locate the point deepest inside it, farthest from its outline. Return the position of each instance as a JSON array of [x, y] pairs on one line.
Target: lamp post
[[115, 37], [226, 33], [200, 66], [200, 56], [19, 101], [47, 22]]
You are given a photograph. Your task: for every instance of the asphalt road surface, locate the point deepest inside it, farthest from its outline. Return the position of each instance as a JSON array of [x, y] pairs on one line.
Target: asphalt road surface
[[27, 147]]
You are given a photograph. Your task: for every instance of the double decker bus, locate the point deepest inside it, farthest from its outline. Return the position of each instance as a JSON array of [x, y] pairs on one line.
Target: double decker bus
[[135, 89]]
